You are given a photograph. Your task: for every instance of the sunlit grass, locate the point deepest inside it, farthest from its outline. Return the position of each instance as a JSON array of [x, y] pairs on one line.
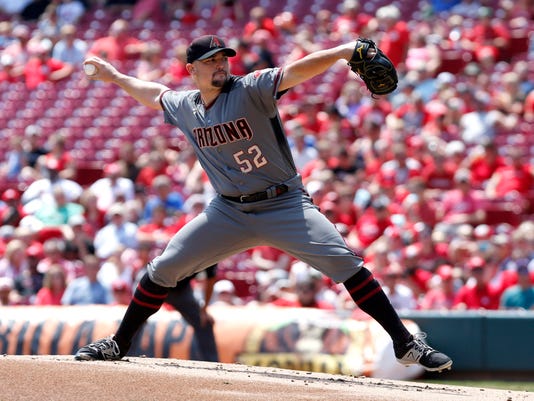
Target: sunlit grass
[[494, 384]]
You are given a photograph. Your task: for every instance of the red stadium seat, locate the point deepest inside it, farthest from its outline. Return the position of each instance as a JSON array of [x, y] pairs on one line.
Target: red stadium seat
[[454, 60], [88, 172], [519, 41], [498, 212]]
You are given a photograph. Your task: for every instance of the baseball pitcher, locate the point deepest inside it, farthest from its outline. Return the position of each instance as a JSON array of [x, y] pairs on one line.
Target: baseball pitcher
[[236, 131]]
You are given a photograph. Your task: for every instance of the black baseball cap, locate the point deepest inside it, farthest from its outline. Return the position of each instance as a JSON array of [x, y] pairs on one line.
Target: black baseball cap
[[206, 46]]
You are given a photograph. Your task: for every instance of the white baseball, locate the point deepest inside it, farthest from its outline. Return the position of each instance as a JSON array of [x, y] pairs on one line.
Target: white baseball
[[90, 69]]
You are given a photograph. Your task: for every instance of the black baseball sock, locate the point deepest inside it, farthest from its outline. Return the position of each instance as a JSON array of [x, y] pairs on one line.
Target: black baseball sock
[[369, 296], [147, 300]]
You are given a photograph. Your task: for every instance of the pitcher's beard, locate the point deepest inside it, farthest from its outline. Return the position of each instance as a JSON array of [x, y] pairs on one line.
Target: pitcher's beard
[[219, 79]]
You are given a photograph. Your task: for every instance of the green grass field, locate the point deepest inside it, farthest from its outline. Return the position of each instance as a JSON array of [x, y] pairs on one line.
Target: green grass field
[[496, 384]]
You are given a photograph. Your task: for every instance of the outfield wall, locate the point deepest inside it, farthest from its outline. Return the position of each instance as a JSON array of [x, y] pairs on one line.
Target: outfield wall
[[299, 339], [481, 341]]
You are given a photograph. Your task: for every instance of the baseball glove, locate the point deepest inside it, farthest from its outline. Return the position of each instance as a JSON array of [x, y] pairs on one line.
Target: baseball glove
[[376, 70]]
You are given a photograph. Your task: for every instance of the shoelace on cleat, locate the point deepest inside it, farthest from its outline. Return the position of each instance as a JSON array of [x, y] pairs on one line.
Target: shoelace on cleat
[[104, 345], [420, 346]]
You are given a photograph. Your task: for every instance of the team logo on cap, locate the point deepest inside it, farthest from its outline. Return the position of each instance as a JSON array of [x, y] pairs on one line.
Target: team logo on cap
[[215, 42]]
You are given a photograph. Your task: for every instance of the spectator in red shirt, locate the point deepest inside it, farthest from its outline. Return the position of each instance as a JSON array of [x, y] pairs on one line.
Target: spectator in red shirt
[[186, 11], [59, 156], [439, 125], [483, 161], [410, 109], [461, 205], [245, 59], [307, 116], [11, 211], [149, 67], [303, 44], [54, 284], [352, 21], [18, 48], [417, 276], [377, 257], [119, 45], [156, 165], [371, 224], [95, 218], [268, 258], [54, 249], [286, 23], [157, 230], [418, 209], [176, 72], [330, 210], [9, 73], [148, 10], [374, 112], [121, 292], [477, 293], [514, 180], [400, 167], [423, 53], [418, 149], [41, 67], [438, 175], [112, 187], [347, 210], [258, 19], [263, 48], [323, 25], [396, 36], [442, 293], [370, 145], [488, 35]]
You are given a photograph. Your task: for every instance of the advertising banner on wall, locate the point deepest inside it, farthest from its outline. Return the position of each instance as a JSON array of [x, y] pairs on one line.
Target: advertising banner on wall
[[290, 338]]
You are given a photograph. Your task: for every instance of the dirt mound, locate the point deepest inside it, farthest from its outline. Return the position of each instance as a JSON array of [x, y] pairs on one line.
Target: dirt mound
[[62, 378]]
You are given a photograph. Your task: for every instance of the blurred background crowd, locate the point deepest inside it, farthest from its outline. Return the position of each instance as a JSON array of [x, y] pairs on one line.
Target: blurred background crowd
[[433, 184]]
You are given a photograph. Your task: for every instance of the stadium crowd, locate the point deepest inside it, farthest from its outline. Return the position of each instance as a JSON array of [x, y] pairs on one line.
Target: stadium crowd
[[433, 184]]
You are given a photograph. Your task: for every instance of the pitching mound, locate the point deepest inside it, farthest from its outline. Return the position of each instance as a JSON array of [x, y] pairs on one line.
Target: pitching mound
[[137, 379]]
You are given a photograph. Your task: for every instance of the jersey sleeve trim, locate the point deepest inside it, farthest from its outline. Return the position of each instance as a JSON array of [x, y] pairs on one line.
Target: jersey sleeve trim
[[277, 94], [161, 98]]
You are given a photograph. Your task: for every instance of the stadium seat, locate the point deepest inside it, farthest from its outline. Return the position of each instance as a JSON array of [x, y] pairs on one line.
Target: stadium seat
[[519, 41], [88, 172], [454, 60]]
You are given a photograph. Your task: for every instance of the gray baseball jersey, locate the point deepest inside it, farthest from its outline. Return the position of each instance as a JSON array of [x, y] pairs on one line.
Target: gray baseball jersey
[[239, 139], [240, 142]]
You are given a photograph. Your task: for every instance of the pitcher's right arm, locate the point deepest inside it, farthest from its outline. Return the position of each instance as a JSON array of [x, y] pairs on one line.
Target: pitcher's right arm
[[146, 93]]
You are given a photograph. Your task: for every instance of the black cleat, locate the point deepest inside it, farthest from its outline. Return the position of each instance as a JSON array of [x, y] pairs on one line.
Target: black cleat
[[419, 352], [105, 349]]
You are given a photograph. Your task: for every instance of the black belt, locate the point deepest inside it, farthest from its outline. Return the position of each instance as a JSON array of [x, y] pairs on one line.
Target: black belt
[[271, 192]]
